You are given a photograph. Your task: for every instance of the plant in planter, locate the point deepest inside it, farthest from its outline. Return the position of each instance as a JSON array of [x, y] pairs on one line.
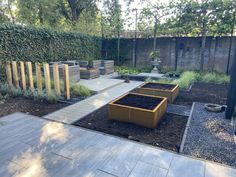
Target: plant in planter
[[155, 57]]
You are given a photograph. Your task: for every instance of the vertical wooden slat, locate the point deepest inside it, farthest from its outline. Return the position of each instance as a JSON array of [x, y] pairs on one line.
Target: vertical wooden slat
[[22, 71], [15, 74], [66, 81], [56, 78], [47, 77], [39, 76], [30, 75], [8, 73]]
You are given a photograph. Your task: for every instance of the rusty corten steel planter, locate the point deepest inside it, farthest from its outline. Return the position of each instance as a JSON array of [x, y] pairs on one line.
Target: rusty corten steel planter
[[140, 116], [170, 94]]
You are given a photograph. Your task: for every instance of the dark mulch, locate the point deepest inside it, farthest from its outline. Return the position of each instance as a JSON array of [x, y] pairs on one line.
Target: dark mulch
[[204, 93], [29, 106], [159, 86], [168, 133], [139, 101]]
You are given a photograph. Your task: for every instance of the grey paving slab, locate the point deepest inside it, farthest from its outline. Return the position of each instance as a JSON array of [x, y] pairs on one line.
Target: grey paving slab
[[9, 169], [100, 84], [214, 170], [122, 161], [157, 157], [79, 110], [63, 150], [143, 169], [178, 109], [185, 167]]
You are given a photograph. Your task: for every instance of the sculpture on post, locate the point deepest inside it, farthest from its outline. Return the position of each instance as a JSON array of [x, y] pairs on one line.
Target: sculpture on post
[[155, 60]]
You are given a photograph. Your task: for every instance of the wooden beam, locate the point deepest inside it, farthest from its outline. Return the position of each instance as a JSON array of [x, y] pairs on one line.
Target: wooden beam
[[15, 74], [66, 81], [56, 78], [39, 76], [8, 73], [22, 71], [47, 77], [30, 76]]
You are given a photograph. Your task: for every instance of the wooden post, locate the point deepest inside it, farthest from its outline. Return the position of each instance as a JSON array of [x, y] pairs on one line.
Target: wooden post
[[47, 77], [30, 75], [15, 74], [231, 98], [22, 71], [39, 76], [66, 81], [56, 78], [8, 73]]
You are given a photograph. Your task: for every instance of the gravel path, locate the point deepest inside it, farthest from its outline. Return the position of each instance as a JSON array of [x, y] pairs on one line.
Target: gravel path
[[210, 136]]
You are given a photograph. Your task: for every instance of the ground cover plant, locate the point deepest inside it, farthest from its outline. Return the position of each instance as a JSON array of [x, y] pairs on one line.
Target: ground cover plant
[[123, 70]]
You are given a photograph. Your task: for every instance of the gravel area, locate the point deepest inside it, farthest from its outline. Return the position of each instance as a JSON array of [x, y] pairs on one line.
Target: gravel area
[[178, 109], [210, 136]]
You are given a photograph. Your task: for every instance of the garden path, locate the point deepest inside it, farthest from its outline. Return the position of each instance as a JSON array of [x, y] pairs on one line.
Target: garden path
[[31, 146]]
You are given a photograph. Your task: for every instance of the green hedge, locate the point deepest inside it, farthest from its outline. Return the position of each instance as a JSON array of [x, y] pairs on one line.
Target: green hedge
[[31, 44]]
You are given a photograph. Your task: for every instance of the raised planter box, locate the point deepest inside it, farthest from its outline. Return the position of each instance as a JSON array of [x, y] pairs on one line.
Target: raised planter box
[[74, 72], [89, 74], [140, 109], [169, 91], [107, 67]]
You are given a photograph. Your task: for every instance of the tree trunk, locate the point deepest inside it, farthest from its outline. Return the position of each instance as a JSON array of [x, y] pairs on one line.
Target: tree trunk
[[10, 12], [155, 34], [118, 47], [75, 10], [203, 46], [230, 42], [40, 14]]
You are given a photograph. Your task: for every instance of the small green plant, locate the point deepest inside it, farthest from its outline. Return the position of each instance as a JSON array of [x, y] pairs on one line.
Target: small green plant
[[4, 89], [80, 90], [39, 96], [52, 97], [215, 78], [15, 92], [154, 55], [28, 93]]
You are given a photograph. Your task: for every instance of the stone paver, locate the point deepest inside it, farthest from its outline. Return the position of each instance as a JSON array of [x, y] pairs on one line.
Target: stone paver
[[100, 84], [63, 150], [79, 110]]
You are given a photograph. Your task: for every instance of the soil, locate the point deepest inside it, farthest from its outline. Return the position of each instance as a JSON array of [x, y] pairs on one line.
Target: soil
[[29, 106], [139, 101], [204, 93], [159, 86], [168, 133]]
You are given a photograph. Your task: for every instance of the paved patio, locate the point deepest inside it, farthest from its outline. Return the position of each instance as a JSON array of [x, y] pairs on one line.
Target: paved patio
[[30, 147], [79, 110]]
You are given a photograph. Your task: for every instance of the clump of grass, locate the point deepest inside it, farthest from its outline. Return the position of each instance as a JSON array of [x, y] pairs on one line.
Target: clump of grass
[[15, 92], [215, 78], [187, 78], [126, 70], [52, 97], [4, 89], [80, 90]]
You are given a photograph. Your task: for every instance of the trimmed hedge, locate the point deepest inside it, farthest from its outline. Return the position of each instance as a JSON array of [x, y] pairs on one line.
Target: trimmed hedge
[[43, 45]]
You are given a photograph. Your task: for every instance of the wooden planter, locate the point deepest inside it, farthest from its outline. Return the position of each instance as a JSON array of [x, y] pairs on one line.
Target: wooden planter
[[170, 94], [140, 116], [89, 74]]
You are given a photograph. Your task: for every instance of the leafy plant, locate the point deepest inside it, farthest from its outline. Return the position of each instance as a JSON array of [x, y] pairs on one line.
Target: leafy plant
[[215, 78], [15, 92], [4, 88], [28, 93], [154, 55], [80, 90]]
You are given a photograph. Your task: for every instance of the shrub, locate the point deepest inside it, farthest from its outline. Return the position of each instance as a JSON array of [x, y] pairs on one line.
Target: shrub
[[52, 97], [80, 90], [215, 78]]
